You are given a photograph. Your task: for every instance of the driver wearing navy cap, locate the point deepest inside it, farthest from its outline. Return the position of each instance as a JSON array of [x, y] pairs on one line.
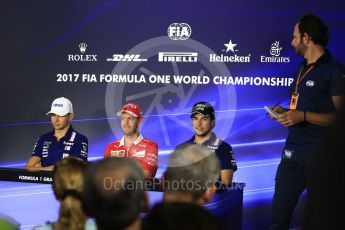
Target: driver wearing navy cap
[[62, 142], [203, 119]]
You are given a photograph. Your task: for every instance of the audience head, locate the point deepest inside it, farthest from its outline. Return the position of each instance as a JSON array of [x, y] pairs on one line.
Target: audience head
[[191, 175], [114, 193], [68, 177], [179, 216]]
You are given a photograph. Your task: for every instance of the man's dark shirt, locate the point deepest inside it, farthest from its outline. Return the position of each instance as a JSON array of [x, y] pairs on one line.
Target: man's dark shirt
[[326, 79], [222, 149]]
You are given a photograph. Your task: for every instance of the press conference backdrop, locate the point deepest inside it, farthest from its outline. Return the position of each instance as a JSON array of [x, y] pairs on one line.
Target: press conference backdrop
[[164, 55]]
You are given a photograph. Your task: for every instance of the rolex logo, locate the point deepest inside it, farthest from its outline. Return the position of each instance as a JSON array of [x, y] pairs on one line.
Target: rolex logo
[[82, 57], [82, 47]]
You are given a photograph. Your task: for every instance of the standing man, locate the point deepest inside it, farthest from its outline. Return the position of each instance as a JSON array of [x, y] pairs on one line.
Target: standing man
[[316, 95], [62, 142], [203, 122], [133, 144]]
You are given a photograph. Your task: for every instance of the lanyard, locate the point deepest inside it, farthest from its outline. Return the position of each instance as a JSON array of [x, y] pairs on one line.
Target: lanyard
[[300, 78]]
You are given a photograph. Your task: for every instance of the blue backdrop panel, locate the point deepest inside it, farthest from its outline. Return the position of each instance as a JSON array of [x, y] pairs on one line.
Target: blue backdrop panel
[[42, 59]]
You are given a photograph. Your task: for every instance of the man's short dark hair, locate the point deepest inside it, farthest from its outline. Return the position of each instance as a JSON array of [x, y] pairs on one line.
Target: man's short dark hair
[[314, 27], [111, 194]]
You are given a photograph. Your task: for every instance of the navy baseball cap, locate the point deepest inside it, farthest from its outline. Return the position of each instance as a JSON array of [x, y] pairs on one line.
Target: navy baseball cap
[[203, 108]]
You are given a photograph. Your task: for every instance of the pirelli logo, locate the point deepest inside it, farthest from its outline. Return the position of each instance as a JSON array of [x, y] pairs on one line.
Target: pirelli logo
[[177, 57]]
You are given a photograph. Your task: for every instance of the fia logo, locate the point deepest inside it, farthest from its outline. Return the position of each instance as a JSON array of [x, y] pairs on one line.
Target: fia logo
[[179, 31], [275, 49]]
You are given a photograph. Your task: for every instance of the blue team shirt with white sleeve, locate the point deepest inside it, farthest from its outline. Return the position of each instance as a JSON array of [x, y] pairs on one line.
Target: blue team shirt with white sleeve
[[50, 150]]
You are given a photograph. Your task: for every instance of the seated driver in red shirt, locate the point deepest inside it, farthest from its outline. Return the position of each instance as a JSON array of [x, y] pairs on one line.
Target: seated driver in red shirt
[[133, 144]]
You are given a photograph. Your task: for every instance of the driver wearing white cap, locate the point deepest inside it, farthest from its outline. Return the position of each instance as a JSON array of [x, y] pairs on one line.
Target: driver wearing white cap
[[62, 142]]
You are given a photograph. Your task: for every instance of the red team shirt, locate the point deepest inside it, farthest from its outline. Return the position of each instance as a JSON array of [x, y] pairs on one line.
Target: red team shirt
[[143, 150]]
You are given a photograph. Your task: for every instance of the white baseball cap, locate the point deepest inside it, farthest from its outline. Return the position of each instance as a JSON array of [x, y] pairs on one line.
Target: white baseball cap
[[61, 106]]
